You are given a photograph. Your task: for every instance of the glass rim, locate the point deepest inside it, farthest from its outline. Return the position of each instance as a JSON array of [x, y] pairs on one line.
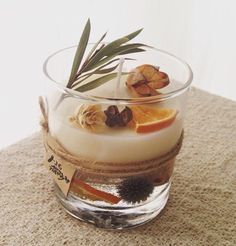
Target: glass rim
[[131, 100]]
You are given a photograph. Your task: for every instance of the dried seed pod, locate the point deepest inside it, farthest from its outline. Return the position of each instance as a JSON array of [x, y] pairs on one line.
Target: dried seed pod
[[89, 117], [111, 110], [126, 116], [112, 114], [135, 189], [115, 118], [113, 121]]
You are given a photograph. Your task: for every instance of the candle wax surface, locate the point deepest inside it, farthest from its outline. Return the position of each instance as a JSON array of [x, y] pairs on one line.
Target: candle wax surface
[[120, 144]]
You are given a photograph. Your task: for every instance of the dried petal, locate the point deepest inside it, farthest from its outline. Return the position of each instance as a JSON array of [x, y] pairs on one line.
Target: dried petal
[[145, 90], [144, 79], [135, 77], [159, 80]]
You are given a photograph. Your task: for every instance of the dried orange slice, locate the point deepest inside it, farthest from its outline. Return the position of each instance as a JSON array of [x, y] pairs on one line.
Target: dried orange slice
[[87, 191], [150, 119]]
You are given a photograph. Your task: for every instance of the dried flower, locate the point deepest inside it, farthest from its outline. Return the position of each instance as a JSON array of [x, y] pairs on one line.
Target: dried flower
[[89, 117], [145, 79]]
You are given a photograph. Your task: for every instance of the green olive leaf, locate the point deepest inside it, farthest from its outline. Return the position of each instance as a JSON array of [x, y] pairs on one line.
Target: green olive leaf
[[125, 48], [106, 70], [103, 52], [98, 59], [79, 52], [97, 82], [109, 50], [99, 70], [87, 75], [95, 47], [134, 50]]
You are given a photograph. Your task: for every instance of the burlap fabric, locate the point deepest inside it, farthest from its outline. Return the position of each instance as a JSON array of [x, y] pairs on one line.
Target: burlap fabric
[[201, 209]]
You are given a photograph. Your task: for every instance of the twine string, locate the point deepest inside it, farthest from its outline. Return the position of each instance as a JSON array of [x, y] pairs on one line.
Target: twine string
[[102, 170]]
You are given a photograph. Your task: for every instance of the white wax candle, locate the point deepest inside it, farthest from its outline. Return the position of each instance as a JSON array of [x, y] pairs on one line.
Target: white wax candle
[[112, 145]]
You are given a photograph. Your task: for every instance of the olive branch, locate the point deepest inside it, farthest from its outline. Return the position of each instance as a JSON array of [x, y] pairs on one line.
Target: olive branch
[[102, 59]]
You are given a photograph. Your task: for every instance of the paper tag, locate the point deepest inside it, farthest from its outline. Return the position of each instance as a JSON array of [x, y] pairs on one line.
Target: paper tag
[[61, 171]]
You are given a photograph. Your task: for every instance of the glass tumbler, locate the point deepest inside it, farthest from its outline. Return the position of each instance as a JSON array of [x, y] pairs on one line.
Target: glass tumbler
[[112, 153]]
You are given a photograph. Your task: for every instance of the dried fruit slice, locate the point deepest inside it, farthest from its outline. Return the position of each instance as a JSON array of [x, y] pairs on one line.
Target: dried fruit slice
[[149, 119], [87, 191]]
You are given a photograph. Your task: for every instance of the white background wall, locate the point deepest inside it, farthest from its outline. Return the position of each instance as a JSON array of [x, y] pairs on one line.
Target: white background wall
[[203, 32]]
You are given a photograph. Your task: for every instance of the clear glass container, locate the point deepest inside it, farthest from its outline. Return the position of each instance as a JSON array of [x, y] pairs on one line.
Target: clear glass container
[[123, 173]]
